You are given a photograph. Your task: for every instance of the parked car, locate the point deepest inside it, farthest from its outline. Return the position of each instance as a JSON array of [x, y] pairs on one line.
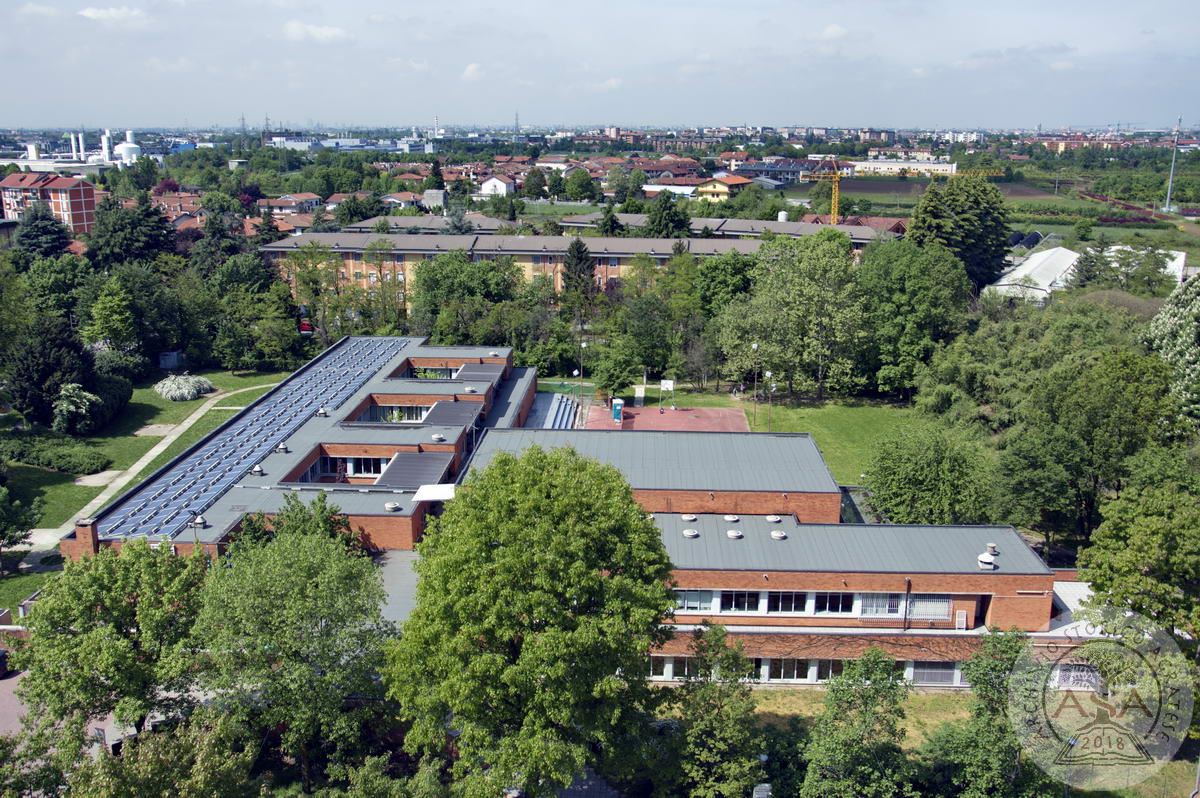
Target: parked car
[[3, 663]]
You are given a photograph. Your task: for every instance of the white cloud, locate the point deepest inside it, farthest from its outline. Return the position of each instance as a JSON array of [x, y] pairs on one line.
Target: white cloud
[[833, 31], [116, 16], [920, 72], [612, 84], [298, 31], [35, 10], [472, 72], [1061, 66]]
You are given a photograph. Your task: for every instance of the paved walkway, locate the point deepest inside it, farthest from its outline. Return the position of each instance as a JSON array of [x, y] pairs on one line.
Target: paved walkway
[[44, 540]]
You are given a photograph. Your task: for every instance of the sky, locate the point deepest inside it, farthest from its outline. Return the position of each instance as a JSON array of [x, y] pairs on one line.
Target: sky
[[341, 63]]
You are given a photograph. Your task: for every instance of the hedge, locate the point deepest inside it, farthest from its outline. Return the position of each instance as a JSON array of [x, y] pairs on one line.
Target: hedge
[[52, 451]]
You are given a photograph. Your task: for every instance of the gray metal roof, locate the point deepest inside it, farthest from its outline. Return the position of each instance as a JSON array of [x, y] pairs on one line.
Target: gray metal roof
[[495, 245], [728, 461], [506, 404], [450, 414], [859, 234], [413, 469], [427, 224], [846, 548]]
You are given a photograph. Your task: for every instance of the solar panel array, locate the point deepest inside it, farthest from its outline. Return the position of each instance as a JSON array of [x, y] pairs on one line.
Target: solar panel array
[[164, 507]]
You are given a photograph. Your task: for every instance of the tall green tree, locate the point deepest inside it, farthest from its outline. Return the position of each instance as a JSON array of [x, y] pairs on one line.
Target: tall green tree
[[17, 519], [805, 313], [916, 299], [40, 234], [112, 322], [1175, 336], [291, 638], [535, 184], [928, 473], [542, 588], [855, 750], [722, 278], [666, 218], [967, 216], [609, 224], [121, 234], [104, 634], [579, 271], [45, 358], [721, 743], [579, 186], [617, 366]]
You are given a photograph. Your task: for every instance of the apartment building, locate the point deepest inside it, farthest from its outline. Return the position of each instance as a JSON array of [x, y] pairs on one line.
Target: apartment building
[[72, 200], [861, 233]]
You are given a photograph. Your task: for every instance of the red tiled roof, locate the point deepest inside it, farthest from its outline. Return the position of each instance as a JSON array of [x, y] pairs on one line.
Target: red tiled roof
[[40, 180]]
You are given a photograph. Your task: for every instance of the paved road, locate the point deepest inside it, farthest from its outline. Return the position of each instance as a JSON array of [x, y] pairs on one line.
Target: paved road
[[10, 708]]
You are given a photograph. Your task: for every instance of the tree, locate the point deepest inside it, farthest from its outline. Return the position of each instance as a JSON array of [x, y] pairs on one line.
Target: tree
[[805, 313], [112, 323], [855, 750], [16, 521], [291, 637], [457, 222], [719, 758], [321, 223], [121, 234], [720, 279], [579, 270], [579, 185], [40, 234], [666, 219], [927, 473], [104, 635], [1144, 557], [617, 366], [203, 757], [617, 182], [541, 589], [967, 216], [267, 233], [435, 179], [535, 184], [609, 224], [1175, 336], [45, 359], [916, 299], [246, 270], [61, 286], [450, 279], [555, 186]]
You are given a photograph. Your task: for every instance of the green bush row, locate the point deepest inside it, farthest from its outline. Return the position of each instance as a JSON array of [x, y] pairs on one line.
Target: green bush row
[[55, 452]]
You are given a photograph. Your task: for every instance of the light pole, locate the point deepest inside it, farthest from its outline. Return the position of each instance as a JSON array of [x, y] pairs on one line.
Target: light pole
[[582, 346], [770, 387], [754, 349]]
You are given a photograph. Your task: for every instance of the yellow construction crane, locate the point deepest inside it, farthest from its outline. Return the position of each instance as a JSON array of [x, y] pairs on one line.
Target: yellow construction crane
[[834, 176]]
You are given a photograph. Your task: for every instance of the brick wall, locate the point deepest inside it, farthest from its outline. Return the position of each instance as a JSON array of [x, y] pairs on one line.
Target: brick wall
[[391, 532], [808, 508]]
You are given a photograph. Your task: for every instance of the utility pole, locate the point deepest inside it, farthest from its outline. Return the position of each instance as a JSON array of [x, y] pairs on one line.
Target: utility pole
[[1171, 179]]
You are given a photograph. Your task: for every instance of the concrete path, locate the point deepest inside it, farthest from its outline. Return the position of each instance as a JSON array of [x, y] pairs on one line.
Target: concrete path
[[43, 541]]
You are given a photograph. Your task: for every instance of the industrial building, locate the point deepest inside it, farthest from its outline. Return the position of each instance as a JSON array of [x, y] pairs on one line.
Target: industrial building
[[389, 428]]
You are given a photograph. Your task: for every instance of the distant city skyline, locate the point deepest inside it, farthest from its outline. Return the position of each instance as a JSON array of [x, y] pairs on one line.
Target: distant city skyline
[[879, 63]]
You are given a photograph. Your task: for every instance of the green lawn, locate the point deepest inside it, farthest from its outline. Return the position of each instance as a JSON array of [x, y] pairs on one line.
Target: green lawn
[[63, 498], [15, 588]]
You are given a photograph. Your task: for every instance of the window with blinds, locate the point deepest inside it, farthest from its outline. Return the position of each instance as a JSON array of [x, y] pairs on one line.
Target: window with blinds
[[881, 604], [929, 607]]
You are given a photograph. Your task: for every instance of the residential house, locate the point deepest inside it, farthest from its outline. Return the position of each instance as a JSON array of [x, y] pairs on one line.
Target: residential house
[[720, 189], [72, 200], [498, 186]]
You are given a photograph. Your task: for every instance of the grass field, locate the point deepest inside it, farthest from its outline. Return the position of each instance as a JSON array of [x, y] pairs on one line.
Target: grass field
[[63, 498]]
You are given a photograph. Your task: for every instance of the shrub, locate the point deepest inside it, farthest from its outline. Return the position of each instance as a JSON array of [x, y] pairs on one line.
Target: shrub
[[183, 387], [114, 363], [53, 451], [80, 412]]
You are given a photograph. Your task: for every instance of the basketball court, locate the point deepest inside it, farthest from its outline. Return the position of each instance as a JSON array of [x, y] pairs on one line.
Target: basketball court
[[686, 419]]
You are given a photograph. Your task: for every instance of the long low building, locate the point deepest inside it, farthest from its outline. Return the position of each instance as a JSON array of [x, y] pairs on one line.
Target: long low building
[[388, 429], [535, 255], [860, 235]]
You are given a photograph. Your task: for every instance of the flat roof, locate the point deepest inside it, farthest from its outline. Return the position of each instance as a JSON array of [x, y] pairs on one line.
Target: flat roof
[[493, 245], [411, 470], [652, 460], [842, 548], [735, 227]]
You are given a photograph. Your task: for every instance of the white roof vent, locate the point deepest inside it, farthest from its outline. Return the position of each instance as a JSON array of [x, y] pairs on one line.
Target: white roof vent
[[322, 412], [282, 448], [689, 517], [391, 507], [439, 437], [987, 562], [199, 522], [471, 389], [691, 533], [493, 353], [992, 549], [257, 471], [773, 519], [733, 534], [778, 534], [731, 517]]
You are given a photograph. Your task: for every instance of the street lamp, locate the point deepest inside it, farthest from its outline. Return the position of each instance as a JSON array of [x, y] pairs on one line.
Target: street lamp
[[770, 387], [579, 373], [754, 349]]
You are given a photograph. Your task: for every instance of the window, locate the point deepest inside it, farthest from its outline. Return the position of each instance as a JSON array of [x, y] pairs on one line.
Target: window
[[881, 604], [358, 276], [828, 668], [929, 608], [839, 603], [933, 673], [372, 278], [786, 602], [369, 465], [693, 600], [684, 667], [739, 601], [658, 667], [396, 414], [788, 669]]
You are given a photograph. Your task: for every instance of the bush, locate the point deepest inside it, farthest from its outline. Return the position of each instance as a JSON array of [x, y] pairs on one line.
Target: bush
[[183, 387], [113, 363], [114, 392], [80, 412], [52, 451]]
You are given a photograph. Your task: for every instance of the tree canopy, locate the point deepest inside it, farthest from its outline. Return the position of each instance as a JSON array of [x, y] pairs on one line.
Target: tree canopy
[[967, 215]]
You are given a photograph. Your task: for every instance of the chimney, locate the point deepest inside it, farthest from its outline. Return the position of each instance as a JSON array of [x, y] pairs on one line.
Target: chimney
[[74, 154], [129, 136], [86, 536], [992, 549]]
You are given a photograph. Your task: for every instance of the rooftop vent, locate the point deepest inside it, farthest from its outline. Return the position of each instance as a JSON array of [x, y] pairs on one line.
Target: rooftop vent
[[282, 448], [987, 562], [731, 517], [733, 534], [992, 550], [199, 522], [493, 353], [689, 517], [778, 534], [322, 412], [438, 437], [691, 533], [471, 389], [773, 519], [391, 507], [257, 471]]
